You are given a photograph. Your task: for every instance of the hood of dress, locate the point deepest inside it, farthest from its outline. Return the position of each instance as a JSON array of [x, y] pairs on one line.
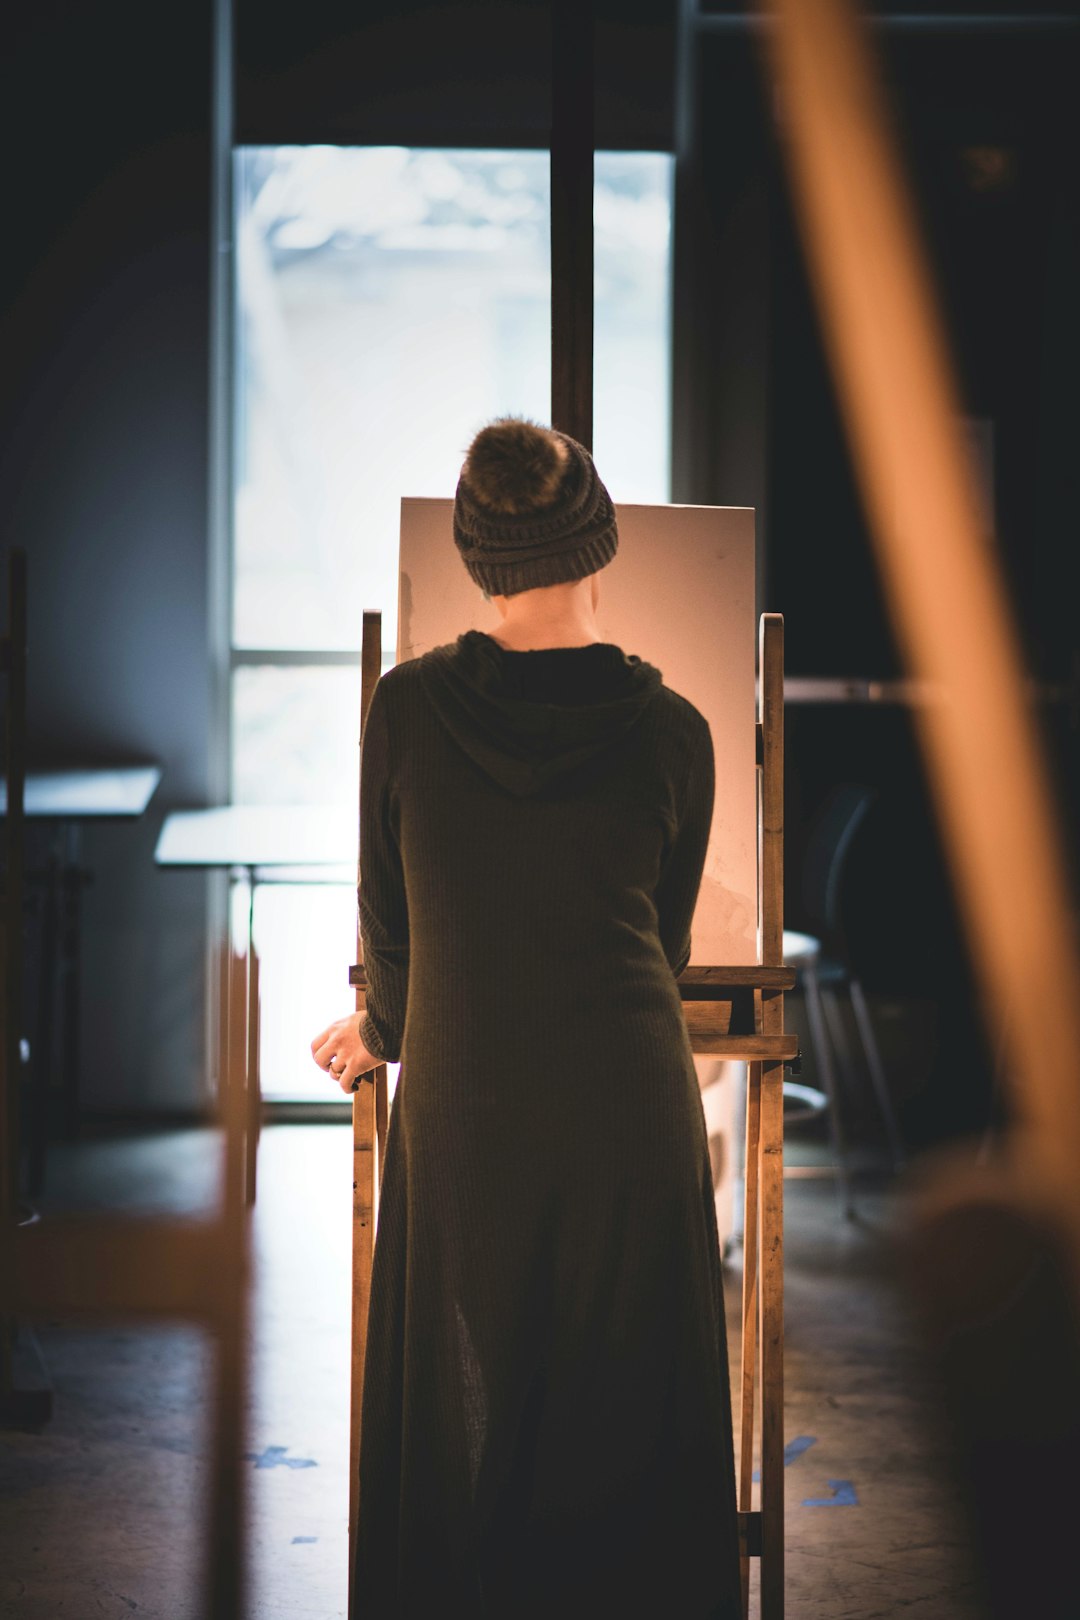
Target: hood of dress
[[522, 743]]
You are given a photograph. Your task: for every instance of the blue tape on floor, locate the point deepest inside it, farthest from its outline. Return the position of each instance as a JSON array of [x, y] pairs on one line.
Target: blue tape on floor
[[843, 1495], [304, 1541], [793, 1449], [274, 1457]]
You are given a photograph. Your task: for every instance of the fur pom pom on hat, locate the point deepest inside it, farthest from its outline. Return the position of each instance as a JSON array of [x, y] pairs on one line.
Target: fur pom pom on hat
[[530, 509], [515, 466]]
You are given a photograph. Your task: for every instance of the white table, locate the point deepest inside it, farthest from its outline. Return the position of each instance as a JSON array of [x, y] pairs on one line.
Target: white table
[[269, 841], [261, 836], [287, 843], [90, 792]]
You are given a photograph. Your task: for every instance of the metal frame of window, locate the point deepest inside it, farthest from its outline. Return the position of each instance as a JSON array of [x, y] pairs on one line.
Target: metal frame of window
[[219, 606], [317, 658], [225, 658]]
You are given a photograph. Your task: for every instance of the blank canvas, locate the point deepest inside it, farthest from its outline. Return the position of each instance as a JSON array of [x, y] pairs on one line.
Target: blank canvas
[[680, 593]]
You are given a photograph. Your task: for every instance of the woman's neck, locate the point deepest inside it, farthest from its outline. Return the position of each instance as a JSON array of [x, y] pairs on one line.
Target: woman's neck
[[533, 634], [562, 615]]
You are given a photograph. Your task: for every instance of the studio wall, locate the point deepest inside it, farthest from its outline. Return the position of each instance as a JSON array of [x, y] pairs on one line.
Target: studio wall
[[103, 478]]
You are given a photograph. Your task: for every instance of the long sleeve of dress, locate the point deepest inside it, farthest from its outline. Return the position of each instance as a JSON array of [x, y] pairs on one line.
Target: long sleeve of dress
[[381, 901], [680, 876]]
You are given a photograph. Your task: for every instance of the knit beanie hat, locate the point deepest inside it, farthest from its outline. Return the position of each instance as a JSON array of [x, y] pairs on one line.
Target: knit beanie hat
[[530, 510]]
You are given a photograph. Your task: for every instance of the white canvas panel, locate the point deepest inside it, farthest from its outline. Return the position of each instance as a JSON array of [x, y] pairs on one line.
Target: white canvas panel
[[680, 593]]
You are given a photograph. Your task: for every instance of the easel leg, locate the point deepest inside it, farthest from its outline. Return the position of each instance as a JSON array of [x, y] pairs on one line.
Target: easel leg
[[363, 1235], [369, 1129], [227, 1573], [381, 1111], [748, 1369], [771, 1296]]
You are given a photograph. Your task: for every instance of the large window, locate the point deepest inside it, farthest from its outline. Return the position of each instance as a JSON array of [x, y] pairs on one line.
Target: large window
[[390, 300]]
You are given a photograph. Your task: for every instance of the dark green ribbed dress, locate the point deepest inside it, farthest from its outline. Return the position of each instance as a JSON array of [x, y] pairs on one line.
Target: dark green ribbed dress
[[546, 1423]]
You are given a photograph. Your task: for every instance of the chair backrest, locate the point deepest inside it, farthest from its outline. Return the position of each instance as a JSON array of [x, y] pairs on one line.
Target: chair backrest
[[827, 848]]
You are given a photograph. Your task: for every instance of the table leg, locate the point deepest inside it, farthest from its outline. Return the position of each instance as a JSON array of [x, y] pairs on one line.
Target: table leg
[[253, 1113], [70, 931]]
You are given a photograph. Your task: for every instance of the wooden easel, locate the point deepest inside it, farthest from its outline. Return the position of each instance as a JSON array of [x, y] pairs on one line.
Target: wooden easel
[[731, 1012]]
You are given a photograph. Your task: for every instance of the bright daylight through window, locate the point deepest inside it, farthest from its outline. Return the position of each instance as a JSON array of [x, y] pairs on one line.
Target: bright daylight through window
[[389, 300]]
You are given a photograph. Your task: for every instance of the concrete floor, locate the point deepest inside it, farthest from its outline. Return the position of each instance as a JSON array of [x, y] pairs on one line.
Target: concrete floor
[[100, 1515]]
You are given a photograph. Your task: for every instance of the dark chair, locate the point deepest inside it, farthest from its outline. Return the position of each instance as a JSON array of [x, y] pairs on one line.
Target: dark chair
[[824, 971]]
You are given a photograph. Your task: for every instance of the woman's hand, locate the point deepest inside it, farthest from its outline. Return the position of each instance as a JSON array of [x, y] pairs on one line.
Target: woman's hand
[[341, 1052]]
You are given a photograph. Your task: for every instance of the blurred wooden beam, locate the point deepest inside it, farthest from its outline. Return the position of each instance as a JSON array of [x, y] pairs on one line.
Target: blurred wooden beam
[[116, 1266], [947, 598]]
